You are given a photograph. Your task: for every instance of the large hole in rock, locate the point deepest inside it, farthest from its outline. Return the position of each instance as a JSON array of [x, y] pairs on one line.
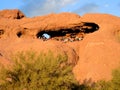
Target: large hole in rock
[[68, 35], [90, 27]]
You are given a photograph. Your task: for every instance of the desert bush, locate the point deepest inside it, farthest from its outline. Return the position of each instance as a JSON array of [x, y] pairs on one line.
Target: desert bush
[[115, 82], [38, 72]]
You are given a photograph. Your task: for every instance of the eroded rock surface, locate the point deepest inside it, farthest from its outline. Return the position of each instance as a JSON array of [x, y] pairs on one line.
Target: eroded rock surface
[[92, 40], [57, 25], [11, 14], [99, 51]]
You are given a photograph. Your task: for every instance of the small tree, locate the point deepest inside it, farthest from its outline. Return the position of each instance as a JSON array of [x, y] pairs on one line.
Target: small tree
[[38, 72]]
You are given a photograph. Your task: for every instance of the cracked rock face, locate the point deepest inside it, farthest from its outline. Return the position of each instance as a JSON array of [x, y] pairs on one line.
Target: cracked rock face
[[91, 41]]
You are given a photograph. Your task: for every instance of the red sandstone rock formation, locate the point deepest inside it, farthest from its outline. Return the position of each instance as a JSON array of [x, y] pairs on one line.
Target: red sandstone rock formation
[[11, 14], [98, 51]]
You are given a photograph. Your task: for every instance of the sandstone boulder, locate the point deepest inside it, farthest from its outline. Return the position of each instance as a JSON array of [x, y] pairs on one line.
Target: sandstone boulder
[[11, 14]]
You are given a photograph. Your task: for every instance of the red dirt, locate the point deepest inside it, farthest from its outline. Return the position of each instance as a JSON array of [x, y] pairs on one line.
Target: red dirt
[[98, 52]]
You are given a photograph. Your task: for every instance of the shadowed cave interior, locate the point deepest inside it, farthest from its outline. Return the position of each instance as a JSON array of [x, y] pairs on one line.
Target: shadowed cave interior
[[76, 33], [69, 35], [19, 34]]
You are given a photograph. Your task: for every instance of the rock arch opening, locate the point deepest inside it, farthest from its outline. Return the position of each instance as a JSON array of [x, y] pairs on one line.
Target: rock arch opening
[[90, 27], [76, 33], [58, 33]]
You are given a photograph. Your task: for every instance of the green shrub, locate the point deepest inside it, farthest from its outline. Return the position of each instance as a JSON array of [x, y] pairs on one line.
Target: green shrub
[[116, 79], [32, 71], [38, 72]]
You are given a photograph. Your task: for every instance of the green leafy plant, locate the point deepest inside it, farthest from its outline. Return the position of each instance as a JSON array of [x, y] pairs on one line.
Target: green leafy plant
[[38, 72], [115, 82]]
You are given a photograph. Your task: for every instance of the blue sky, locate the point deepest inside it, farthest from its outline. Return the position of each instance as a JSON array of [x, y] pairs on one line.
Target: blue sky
[[41, 7]]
